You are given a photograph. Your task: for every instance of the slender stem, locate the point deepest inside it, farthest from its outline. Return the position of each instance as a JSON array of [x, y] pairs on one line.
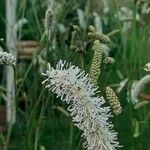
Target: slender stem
[[81, 61], [36, 138], [15, 83], [38, 128], [71, 136], [36, 17], [22, 16], [13, 112], [87, 11], [39, 124], [78, 147], [8, 136], [146, 122], [32, 116], [26, 73], [48, 44]]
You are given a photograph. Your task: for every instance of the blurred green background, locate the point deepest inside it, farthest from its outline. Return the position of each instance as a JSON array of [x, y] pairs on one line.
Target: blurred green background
[[40, 115]]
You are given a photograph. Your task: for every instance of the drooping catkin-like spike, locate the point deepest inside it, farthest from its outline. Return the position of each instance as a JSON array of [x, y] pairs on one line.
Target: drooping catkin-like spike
[[109, 60], [95, 69], [74, 40], [101, 37], [104, 38], [48, 20], [93, 35], [76, 43], [113, 32], [141, 104], [113, 101], [77, 28], [92, 28]]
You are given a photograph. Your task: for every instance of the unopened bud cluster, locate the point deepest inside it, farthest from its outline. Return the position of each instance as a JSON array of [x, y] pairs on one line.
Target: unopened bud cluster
[[77, 43]]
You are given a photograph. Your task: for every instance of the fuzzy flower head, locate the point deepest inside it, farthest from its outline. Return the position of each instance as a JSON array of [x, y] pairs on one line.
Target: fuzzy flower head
[[7, 59], [73, 86]]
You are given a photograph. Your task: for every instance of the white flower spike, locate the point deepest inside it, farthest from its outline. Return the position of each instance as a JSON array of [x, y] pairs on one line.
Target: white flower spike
[[73, 86]]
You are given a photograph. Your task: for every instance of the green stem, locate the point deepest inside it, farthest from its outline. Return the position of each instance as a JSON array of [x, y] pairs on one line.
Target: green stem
[[36, 138], [146, 122], [48, 44], [15, 83], [29, 126], [13, 105], [36, 18], [81, 61], [8, 136], [26, 73], [39, 125], [71, 136], [37, 130], [22, 16]]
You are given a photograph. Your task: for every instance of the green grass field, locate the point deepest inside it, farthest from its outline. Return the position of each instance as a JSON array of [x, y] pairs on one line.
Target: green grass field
[[42, 120]]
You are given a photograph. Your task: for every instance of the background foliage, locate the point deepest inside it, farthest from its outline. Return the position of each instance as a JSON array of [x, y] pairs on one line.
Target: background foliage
[[40, 115]]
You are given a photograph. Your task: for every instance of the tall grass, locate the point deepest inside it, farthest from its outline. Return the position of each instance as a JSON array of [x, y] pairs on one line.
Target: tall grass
[[41, 119]]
